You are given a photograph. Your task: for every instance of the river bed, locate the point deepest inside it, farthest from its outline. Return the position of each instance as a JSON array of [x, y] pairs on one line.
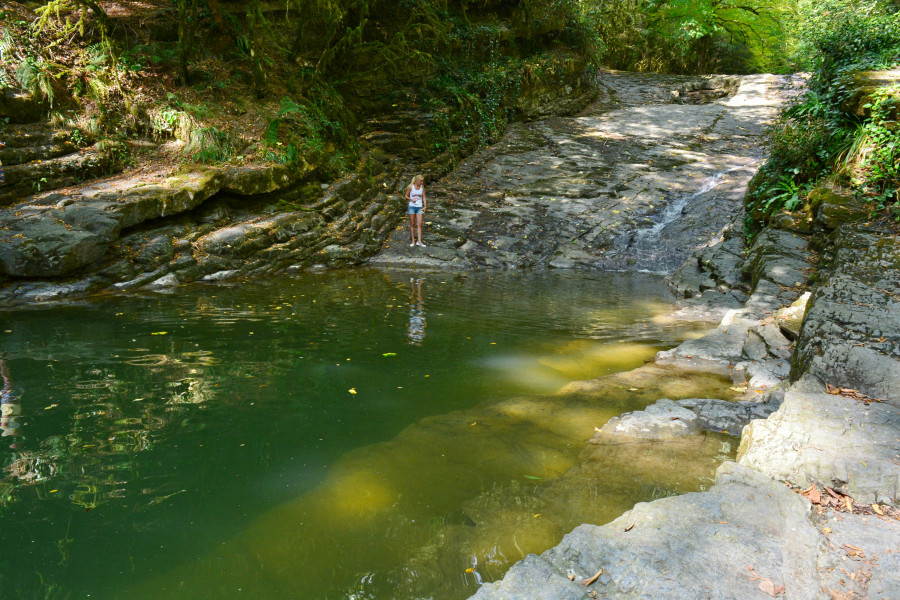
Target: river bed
[[353, 434]]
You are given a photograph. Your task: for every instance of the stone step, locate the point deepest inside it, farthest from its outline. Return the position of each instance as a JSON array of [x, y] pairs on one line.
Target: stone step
[[27, 179], [32, 134], [18, 156], [18, 107]]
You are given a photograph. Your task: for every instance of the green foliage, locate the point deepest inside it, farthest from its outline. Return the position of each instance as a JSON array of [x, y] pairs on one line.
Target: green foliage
[[472, 103], [209, 144], [789, 193], [818, 138], [36, 77], [839, 33], [878, 165], [689, 36], [310, 130]]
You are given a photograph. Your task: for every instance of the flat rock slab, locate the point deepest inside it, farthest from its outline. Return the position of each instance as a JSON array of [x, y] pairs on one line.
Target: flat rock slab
[[699, 545], [635, 182], [667, 419], [717, 351], [828, 439]]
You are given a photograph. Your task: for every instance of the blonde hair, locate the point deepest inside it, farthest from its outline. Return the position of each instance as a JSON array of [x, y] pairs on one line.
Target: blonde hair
[[415, 179]]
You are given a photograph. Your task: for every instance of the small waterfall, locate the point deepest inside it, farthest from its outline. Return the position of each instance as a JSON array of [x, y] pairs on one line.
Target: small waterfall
[[676, 208], [649, 249]]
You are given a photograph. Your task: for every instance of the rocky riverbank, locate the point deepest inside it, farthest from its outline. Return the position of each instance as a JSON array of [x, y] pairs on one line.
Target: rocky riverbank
[[652, 171], [809, 508]]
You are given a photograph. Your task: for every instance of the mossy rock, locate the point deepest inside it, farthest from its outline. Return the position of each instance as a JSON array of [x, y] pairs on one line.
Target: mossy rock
[[833, 207], [865, 83], [20, 107], [797, 222]]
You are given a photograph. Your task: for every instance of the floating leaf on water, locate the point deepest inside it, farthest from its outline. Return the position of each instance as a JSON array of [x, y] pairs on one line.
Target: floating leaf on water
[[51, 406], [738, 388], [389, 354], [352, 390], [159, 333], [634, 389], [470, 570]]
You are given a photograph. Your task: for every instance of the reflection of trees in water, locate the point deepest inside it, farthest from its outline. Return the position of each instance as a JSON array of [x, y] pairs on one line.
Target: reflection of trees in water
[[118, 412]]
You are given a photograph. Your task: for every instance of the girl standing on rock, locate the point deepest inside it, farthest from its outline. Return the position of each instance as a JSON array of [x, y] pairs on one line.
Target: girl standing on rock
[[415, 194]]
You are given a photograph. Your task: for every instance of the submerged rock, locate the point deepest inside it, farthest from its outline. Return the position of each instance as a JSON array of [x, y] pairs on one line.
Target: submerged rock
[[662, 420]]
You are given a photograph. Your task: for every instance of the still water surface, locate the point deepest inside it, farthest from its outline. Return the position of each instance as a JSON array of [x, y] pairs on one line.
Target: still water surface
[[358, 434]]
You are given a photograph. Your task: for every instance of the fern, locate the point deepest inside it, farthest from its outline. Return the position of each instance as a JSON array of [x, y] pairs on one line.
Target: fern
[[35, 77], [208, 144]]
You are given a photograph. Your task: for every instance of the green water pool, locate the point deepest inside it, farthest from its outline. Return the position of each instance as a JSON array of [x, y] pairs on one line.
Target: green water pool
[[352, 434]]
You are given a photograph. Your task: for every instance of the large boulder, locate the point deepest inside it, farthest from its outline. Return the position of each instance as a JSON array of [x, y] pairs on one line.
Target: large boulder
[[862, 84], [835, 440], [779, 257], [55, 241], [851, 330]]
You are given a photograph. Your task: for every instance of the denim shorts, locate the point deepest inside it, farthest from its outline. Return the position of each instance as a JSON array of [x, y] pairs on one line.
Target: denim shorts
[[414, 210]]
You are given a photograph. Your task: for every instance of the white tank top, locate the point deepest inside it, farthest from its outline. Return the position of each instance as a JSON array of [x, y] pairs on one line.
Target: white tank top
[[415, 196]]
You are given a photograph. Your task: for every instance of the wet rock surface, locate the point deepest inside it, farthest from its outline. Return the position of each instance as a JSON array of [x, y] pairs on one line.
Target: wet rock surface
[[667, 419], [634, 182]]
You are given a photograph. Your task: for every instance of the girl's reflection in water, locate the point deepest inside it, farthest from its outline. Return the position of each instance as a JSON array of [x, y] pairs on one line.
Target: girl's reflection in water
[[416, 327]]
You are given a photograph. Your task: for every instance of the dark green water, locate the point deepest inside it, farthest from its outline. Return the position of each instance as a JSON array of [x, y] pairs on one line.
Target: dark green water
[[345, 435]]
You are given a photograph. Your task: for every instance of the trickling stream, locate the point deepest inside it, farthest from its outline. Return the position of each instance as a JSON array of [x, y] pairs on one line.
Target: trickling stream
[[352, 435], [654, 249]]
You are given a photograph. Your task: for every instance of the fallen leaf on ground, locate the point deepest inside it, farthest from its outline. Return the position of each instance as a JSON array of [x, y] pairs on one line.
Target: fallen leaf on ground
[[812, 494], [765, 584], [591, 580], [769, 587]]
